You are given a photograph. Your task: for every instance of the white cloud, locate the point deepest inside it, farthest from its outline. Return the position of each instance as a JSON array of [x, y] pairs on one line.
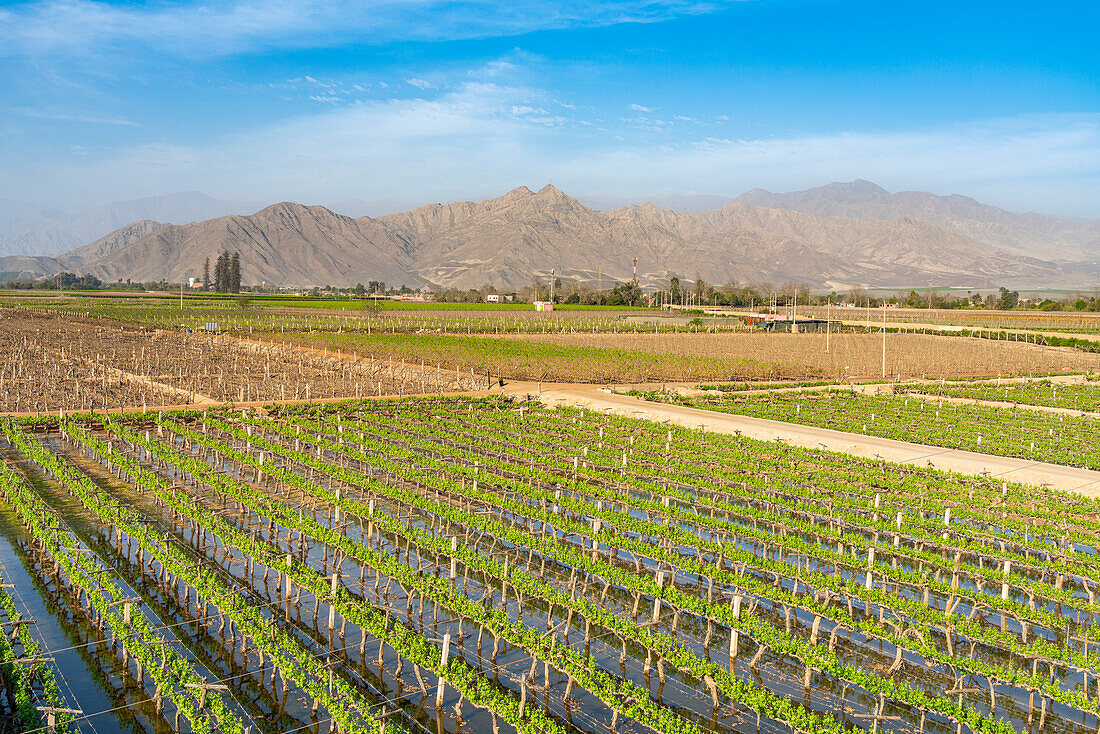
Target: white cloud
[[495, 68], [640, 108], [94, 118], [482, 138], [466, 134], [193, 28], [419, 83]]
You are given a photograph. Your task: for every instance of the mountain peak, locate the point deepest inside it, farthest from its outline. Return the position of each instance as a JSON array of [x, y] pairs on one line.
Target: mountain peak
[[292, 207], [551, 190], [859, 186]]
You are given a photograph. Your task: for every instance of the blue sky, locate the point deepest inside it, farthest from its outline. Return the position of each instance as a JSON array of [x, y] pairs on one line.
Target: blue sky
[[414, 100]]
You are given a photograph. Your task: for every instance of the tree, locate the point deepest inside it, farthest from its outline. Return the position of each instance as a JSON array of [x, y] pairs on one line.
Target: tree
[[625, 294], [674, 289], [234, 284], [206, 273], [221, 273], [702, 290], [1007, 299]]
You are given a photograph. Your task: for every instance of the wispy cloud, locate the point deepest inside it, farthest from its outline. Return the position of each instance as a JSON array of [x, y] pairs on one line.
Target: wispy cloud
[[419, 83], [200, 29], [481, 138], [1026, 162], [322, 156], [640, 108], [94, 118]]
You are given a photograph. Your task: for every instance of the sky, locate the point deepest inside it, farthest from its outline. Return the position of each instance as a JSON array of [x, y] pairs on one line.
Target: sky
[[419, 101]]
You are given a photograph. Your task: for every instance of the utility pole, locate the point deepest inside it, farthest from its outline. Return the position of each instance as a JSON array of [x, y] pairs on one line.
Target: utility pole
[[883, 338], [181, 295], [552, 273], [828, 316], [635, 277]]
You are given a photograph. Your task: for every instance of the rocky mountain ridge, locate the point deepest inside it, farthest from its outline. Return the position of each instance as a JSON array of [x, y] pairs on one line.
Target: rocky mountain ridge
[[508, 240]]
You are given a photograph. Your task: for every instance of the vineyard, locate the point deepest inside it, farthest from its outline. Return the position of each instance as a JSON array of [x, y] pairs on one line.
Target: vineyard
[[1083, 397], [833, 357], [288, 315], [452, 564], [48, 363], [921, 417]]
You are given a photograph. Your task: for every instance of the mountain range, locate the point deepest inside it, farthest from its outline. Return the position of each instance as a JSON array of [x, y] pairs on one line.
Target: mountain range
[[27, 229], [830, 237]]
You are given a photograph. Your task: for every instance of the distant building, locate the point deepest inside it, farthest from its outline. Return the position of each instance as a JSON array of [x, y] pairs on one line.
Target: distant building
[[500, 298], [544, 305], [773, 322]]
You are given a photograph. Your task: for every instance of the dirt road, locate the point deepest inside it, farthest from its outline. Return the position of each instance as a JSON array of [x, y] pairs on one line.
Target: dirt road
[[1083, 481]]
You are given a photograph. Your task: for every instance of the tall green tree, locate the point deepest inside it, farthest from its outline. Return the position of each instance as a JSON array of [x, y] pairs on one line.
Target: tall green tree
[[235, 273], [220, 268]]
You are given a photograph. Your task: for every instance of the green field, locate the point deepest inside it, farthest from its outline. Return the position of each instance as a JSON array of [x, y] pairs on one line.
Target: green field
[[1023, 433], [440, 564], [531, 360]]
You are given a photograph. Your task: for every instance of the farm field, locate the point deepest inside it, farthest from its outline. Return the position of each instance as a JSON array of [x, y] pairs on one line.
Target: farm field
[[1068, 321], [600, 360], [1070, 440], [457, 564], [851, 356], [50, 363], [246, 314], [1084, 397]]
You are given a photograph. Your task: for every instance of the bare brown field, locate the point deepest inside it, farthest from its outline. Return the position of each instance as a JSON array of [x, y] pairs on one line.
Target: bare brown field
[[682, 357], [1069, 321], [850, 356], [50, 362]]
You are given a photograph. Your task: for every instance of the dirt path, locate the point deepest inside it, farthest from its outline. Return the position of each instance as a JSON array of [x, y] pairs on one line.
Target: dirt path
[[1083, 481]]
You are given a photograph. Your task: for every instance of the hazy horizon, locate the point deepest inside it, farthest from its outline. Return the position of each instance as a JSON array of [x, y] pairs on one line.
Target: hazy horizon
[[592, 200]]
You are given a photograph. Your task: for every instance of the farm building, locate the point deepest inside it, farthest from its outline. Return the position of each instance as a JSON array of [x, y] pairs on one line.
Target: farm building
[[769, 322]]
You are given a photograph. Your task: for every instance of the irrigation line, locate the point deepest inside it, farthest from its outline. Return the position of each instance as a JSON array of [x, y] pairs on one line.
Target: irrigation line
[[169, 626], [307, 726], [52, 653], [522, 660], [216, 681], [110, 568]]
